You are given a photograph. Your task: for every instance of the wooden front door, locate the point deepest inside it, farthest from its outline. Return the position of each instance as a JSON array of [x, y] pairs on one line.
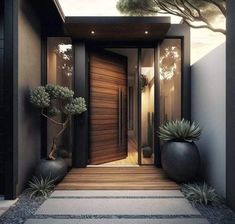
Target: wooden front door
[[107, 107]]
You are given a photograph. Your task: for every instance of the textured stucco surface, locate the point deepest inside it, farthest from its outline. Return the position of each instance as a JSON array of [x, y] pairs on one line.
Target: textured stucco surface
[[208, 108], [29, 76]]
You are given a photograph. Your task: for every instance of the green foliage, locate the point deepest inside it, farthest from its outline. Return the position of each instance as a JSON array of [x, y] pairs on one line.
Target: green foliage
[[39, 97], [77, 106], [56, 91], [39, 187], [195, 13], [53, 111], [200, 193], [180, 131], [45, 97], [135, 7]]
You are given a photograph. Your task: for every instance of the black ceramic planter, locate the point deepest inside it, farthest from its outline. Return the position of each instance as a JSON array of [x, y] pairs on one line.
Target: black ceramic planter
[[147, 152], [55, 169], [180, 160]]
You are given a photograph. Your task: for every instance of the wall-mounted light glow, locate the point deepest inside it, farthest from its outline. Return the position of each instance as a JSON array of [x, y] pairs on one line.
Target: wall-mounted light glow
[[92, 32], [146, 32]]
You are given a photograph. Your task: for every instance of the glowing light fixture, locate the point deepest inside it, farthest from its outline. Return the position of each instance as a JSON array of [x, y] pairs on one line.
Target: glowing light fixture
[[146, 32], [92, 32]]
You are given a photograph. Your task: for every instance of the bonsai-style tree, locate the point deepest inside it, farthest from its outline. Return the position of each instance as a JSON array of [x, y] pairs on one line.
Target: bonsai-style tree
[[53, 100], [195, 13]]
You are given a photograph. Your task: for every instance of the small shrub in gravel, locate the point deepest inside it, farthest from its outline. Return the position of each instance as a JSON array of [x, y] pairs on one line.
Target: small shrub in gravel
[[210, 205], [200, 193], [40, 187]]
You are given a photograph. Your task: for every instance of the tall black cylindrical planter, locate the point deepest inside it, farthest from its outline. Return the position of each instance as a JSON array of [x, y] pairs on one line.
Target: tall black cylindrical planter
[[180, 160]]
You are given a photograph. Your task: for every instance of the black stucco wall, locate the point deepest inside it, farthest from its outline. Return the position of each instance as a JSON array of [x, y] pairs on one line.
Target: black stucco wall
[[36, 20], [230, 105], [1, 97], [29, 76]]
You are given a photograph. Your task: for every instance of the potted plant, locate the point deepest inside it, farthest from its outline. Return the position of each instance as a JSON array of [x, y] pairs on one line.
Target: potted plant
[[180, 156], [53, 100]]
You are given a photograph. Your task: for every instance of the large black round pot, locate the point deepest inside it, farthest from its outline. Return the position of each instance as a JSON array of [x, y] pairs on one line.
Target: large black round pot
[[55, 169], [180, 160]]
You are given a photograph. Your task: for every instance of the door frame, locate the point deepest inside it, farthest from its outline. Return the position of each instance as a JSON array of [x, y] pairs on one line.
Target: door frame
[[81, 69], [139, 46], [81, 88]]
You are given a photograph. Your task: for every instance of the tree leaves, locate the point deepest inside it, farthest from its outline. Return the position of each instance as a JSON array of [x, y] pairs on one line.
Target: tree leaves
[[77, 106], [39, 97], [195, 13]]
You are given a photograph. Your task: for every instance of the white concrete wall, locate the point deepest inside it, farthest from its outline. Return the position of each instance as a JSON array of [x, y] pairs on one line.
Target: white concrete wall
[[208, 108]]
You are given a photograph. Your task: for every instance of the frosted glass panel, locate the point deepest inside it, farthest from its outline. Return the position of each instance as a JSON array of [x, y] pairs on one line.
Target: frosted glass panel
[[147, 105], [170, 80], [60, 72]]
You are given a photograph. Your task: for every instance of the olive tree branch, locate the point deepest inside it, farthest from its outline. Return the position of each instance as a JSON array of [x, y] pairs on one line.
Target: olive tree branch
[[205, 26], [49, 118], [53, 148]]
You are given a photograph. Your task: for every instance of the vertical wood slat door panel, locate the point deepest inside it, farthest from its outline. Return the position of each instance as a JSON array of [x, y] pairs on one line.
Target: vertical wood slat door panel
[[107, 107]]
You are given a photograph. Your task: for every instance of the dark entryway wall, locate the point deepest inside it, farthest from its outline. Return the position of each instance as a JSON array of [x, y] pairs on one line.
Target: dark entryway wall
[[1, 96], [26, 24], [29, 76], [230, 105], [36, 20]]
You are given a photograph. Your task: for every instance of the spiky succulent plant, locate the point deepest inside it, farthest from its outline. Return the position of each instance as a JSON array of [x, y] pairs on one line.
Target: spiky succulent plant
[[39, 187], [200, 193], [180, 131], [57, 100]]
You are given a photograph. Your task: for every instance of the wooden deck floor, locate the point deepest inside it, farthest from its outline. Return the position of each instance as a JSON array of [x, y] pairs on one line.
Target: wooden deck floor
[[117, 178]]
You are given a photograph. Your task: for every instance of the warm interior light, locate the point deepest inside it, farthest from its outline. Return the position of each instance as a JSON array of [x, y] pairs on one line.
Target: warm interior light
[[146, 32], [92, 32]]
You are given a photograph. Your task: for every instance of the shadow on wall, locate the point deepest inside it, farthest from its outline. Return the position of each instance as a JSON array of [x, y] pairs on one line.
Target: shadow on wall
[[208, 108]]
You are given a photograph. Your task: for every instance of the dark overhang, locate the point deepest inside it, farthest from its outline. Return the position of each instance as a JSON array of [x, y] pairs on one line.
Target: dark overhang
[[117, 28]]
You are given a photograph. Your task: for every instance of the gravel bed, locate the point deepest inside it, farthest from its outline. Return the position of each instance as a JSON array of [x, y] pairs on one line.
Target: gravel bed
[[217, 214], [23, 209]]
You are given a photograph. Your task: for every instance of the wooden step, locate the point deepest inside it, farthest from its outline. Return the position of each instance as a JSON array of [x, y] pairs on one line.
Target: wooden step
[[117, 178]]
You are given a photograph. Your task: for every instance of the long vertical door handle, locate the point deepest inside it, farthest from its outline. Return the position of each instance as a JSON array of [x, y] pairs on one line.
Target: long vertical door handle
[[119, 116], [122, 117]]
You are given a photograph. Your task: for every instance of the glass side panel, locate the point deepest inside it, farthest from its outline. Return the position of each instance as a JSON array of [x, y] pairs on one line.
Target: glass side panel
[[60, 72], [170, 80], [147, 105]]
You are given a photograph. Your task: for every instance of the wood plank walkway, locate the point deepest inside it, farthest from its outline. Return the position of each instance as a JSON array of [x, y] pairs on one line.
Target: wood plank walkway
[[117, 178]]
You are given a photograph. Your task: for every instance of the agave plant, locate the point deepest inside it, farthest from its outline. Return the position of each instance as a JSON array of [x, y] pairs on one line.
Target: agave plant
[[40, 187], [180, 131], [200, 193]]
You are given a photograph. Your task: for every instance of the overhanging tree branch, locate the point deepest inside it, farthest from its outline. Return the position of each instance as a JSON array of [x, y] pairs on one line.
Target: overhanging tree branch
[[205, 26], [195, 13]]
